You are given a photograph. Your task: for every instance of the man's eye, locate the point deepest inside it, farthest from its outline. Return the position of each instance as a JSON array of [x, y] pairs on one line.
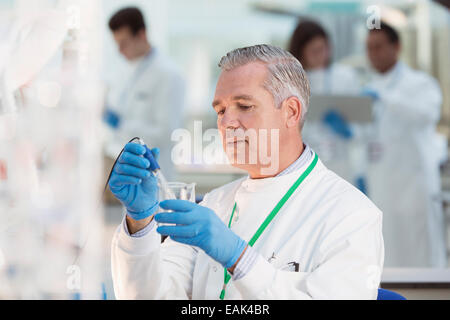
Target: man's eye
[[245, 107], [221, 112]]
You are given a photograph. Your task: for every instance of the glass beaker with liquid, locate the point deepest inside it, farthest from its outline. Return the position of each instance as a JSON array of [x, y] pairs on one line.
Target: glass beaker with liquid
[[177, 191]]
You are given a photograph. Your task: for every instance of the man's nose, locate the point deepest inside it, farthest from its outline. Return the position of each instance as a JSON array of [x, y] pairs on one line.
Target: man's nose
[[230, 119]]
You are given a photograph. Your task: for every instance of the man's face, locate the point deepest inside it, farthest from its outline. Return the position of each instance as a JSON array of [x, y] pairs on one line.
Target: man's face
[[245, 110], [382, 53], [130, 46]]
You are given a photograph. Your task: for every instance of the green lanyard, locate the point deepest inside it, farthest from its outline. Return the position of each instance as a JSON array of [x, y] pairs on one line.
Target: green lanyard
[[269, 218]]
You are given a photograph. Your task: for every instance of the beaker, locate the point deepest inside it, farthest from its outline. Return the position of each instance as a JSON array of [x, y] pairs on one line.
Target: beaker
[[178, 191]]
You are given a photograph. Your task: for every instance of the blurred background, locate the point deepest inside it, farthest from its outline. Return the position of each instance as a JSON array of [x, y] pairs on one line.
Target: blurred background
[[74, 88]]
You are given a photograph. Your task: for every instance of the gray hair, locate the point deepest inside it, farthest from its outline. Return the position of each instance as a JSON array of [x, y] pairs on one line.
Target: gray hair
[[286, 79]]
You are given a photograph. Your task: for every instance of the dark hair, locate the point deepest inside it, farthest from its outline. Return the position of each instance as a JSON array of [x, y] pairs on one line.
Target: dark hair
[[128, 17], [390, 32], [305, 32]]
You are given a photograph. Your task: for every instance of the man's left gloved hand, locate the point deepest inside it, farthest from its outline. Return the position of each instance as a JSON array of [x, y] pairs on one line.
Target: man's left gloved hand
[[199, 226]]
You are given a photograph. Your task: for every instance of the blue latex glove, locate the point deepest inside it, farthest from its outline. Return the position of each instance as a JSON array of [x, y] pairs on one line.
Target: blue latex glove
[[361, 184], [371, 93], [133, 184], [199, 226], [111, 118], [337, 124]]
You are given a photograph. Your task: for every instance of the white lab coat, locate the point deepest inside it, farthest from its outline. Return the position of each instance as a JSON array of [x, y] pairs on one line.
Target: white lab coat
[[404, 178], [331, 229], [150, 105], [336, 79], [339, 155]]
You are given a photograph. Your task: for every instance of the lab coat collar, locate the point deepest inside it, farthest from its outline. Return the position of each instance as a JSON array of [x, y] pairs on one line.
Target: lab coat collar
[[261, 185], [391, 74], [144, 60]]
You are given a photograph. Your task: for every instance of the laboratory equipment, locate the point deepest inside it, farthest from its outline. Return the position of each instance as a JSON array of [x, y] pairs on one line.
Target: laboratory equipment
[[178, 191], [355, 109], [51, 155]]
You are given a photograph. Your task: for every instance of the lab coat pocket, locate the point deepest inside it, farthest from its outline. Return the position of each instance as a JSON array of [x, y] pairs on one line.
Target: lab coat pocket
[[284, 265], [290, 284], [291, 266]]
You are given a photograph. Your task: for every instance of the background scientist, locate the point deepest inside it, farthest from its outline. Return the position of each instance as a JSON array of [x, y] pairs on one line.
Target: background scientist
[[150, 104], [405, 155], [332, 137]]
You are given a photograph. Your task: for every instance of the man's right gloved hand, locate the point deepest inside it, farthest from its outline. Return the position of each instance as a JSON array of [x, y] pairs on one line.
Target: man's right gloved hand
[[133, 184]]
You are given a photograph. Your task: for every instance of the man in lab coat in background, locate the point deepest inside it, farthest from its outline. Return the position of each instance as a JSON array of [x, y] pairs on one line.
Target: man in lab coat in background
[[292, 229], [404, 178], [150, 104]]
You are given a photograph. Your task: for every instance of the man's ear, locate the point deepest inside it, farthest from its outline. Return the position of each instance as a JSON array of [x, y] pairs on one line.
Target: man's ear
[[293, 111]]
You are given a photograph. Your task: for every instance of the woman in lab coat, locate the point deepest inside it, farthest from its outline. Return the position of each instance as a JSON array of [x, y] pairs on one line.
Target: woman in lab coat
[[311, 46], [404, 177]]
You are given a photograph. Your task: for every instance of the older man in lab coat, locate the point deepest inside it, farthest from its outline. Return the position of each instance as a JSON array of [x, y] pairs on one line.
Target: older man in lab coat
[[150, 103], [292, 229], [404, 178]]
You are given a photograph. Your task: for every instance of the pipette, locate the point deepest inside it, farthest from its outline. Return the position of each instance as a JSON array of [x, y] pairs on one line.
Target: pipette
[[156, 169]]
